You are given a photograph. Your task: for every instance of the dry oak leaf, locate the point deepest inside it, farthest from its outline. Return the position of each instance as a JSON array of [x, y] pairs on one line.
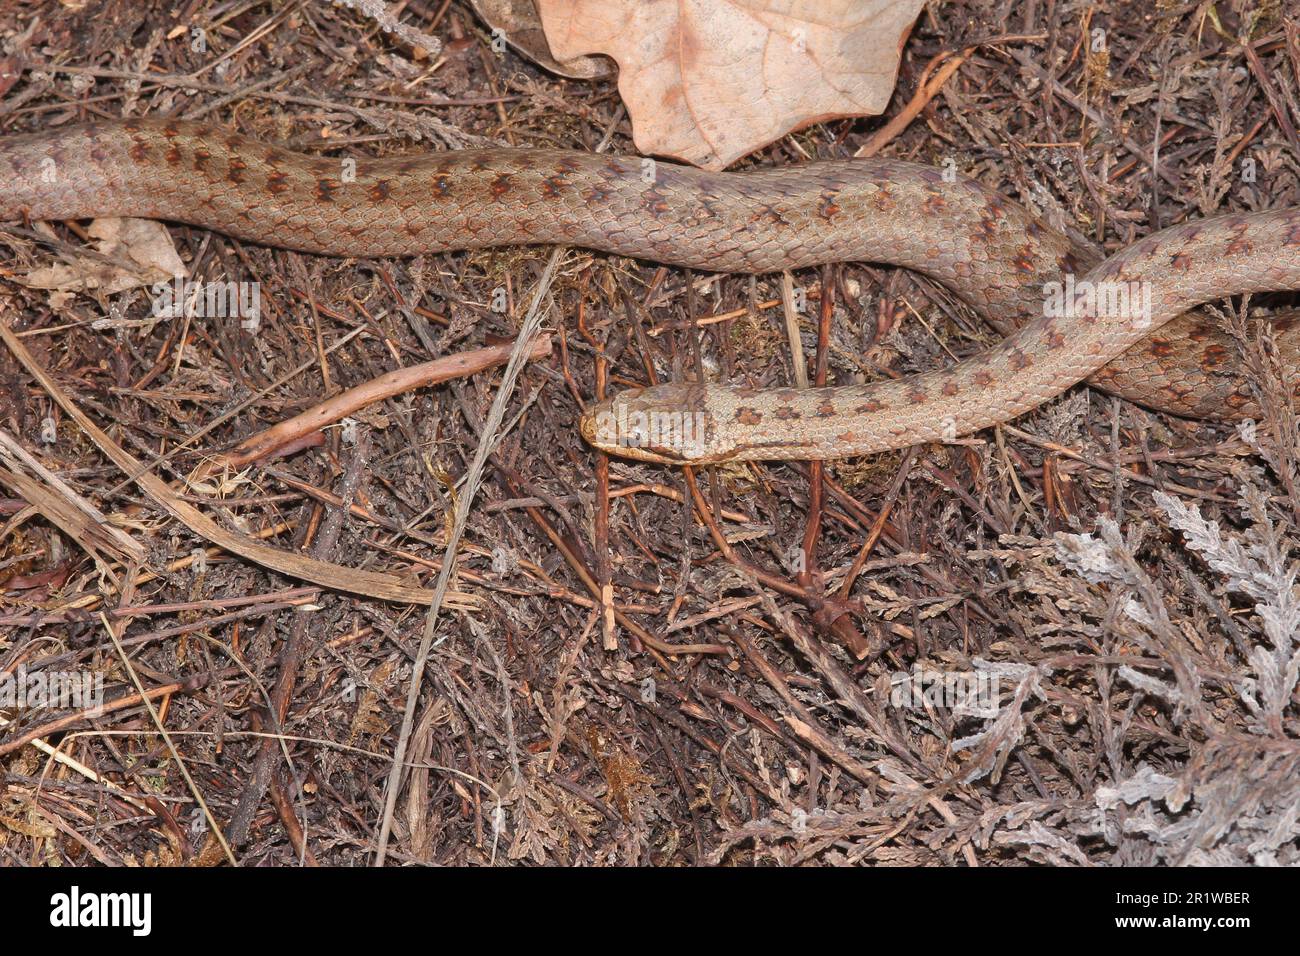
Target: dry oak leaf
[[517, 23], [709, 81], [139, 252]]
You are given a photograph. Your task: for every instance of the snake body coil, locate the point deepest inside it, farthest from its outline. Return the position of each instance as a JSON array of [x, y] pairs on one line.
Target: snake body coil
[[986, 248]]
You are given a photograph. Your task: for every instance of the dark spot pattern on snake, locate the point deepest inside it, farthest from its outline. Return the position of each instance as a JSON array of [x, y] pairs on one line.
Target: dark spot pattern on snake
[[827, 208], [1214, 356], [552, 185], [995, 253]]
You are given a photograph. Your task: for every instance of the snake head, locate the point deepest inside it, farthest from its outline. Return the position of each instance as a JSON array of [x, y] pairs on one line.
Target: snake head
[[664, 424]]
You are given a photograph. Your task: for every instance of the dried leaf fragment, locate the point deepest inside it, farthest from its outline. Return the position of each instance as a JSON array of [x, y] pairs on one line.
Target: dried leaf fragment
[[709, 81]]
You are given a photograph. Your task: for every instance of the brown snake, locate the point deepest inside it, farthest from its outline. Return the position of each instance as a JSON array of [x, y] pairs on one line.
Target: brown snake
[[986, 248]]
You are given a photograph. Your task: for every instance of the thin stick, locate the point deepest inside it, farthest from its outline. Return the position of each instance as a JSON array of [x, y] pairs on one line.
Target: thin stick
[[376, 390], [487, 443]]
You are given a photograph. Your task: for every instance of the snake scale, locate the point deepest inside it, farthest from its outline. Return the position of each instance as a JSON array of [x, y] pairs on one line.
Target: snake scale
[[986, 248]]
